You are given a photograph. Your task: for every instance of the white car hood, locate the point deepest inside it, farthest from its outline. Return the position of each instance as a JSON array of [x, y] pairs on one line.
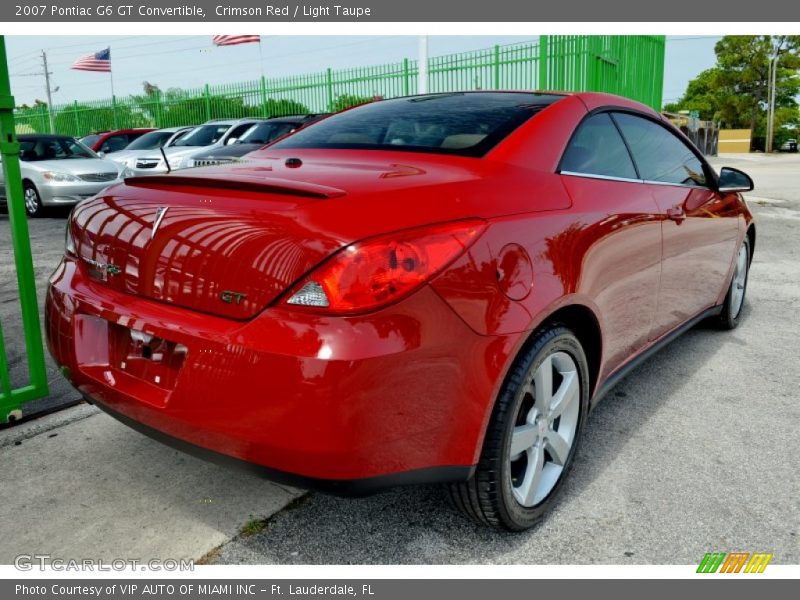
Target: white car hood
[[73, 166]]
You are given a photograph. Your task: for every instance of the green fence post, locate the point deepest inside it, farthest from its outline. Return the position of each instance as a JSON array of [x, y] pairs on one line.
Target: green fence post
[[544, 65], [11, 400], [77, 121], [264, 107], [114, 111], [208, 103], [497, 67], [159, 118], [406, 76], [329, 87]]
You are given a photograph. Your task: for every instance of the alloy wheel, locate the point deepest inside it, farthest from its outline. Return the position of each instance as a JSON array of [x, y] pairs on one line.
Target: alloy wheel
[[545, 428], [31, 200], [739, 282]]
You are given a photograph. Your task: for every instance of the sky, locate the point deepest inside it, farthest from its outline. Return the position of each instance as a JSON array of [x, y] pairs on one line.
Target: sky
[[191, 61]]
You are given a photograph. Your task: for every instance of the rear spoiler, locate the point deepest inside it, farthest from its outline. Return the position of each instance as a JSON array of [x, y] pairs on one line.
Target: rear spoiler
[[266, 185]]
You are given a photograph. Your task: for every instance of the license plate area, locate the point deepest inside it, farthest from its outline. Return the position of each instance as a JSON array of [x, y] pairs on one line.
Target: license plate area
[[143, 365], [147, 357]]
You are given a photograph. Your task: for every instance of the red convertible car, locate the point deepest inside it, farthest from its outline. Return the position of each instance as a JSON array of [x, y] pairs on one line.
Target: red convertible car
[[435, 288]]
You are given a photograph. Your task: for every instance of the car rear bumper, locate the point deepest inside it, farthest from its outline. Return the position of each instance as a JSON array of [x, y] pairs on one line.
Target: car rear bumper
[[343, 404]]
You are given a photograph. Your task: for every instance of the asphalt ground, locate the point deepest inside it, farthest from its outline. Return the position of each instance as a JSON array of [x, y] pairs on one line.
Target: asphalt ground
[[696, 450]]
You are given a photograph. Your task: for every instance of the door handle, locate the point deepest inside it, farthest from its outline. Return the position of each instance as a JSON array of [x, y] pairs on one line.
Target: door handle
[[677, 214]]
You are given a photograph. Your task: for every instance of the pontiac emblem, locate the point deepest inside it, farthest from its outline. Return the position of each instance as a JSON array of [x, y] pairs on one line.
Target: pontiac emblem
[[160, 212]]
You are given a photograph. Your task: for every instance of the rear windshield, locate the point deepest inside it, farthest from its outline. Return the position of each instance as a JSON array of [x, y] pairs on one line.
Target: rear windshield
[[150, 141], [205, 135], [468, 124], [49, 148]]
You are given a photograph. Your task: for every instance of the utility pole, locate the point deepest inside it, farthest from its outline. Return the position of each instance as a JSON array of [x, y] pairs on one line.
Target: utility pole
[[422, 63], [49, 93], [771, 94]]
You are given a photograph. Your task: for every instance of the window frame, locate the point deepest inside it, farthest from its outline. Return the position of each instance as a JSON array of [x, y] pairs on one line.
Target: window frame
[[710, 175]]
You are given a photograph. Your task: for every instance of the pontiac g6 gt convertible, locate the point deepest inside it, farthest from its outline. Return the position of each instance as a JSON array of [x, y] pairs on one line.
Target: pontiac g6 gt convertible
[[434, 288]]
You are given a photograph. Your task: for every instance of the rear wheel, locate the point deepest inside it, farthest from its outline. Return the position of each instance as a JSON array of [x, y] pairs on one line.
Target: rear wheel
[[533, 435], [33, 202], [734, 301]]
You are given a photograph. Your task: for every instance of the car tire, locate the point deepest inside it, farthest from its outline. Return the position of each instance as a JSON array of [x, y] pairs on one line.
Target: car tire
[[731, 313], [33, 201], [522, 466]]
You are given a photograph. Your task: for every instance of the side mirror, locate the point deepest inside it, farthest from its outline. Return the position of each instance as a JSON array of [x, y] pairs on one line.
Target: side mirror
[[231, 140], [734, 180], [101, 154]]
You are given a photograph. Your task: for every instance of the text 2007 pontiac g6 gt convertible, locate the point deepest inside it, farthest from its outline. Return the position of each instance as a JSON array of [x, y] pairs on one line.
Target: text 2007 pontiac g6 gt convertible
[[431, 288]]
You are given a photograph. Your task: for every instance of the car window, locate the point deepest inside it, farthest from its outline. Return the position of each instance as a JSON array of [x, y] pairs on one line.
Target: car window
[[469, 124], [90, 140], [52, 148], [237, 132], [659, 154], [205, 135], [598, 149], [115, 143], [150, 141], [263, 133]]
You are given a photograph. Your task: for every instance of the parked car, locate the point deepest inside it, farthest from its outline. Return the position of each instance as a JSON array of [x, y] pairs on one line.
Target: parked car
[[109, 142], [153, 141], [214, 134], [426, 289], [58, 170], [789, 145], [254, 138]]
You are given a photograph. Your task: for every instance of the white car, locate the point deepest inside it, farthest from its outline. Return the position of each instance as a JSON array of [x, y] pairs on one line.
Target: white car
[[149, 142], [57, 170], [219, 132]]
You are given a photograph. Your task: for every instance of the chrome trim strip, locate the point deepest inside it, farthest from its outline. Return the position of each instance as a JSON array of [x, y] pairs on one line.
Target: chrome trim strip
[[604, 177], [682, 185], [625, 179]]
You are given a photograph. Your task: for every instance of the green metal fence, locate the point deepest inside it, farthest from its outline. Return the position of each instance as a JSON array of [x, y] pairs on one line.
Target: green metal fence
[[12, 399], [631, 66]]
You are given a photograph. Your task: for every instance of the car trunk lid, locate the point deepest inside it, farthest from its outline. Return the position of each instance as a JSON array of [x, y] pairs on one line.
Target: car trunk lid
[[226, 247]]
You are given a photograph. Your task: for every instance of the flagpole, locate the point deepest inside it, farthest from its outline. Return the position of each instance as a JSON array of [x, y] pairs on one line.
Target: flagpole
[[113, 96], [260, 58], [263, 82]]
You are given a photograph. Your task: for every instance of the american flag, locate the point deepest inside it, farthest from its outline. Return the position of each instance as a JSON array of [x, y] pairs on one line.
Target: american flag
[[233, 40], [99, 61]]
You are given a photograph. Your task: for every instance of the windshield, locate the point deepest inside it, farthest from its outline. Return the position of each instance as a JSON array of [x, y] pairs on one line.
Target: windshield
[[463, 123], [50, 148], [90, 140], [263, 133], [150, 141], [205, 135]]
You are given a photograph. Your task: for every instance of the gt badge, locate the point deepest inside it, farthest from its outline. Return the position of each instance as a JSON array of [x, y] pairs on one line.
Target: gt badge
[[232, 297]]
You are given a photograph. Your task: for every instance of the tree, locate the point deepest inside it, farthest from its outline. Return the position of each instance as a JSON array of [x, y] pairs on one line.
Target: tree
[[348, 100], [734, 91]]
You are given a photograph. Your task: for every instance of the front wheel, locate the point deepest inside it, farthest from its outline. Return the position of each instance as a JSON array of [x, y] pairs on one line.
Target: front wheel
[[33, 202], [533, 435], [734, 300]]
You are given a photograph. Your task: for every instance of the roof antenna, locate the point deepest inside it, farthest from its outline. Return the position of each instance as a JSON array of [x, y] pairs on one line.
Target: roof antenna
[[166, 162]]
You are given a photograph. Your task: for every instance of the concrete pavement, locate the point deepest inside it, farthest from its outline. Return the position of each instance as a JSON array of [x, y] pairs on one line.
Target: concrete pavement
[[78, 484]]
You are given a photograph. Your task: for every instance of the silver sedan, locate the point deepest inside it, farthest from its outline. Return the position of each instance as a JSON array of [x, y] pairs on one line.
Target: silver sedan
[[57, 170]]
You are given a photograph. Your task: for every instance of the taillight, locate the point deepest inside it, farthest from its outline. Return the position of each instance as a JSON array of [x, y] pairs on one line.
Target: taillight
[[377, 271]]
